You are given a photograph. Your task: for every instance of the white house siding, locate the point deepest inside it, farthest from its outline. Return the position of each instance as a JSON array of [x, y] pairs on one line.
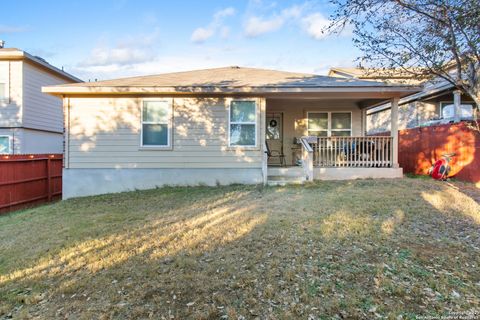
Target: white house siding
[[104, 134], [10, 108], [295, 118], [41, 111]]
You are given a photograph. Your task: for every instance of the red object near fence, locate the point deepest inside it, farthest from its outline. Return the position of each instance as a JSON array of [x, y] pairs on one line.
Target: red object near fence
[[26, 180], [419, 148]]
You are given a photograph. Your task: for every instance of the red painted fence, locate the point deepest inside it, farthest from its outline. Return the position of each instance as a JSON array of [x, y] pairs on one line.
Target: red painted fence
[[419, 147], [26, 180]]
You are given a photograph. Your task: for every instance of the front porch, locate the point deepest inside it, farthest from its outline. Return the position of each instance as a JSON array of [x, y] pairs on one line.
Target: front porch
[[318, 139], [339, 158]]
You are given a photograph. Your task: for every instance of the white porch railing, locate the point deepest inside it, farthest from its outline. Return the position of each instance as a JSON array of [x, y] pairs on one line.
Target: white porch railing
[[370, 152]]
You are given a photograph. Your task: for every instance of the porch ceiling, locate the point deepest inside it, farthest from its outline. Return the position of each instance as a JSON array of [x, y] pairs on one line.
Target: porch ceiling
[[362, 99]]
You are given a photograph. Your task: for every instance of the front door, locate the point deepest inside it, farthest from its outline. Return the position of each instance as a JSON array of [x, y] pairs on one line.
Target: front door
[[274, 135]]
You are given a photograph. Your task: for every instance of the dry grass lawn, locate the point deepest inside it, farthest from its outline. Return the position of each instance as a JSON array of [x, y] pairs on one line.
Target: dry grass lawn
[[395, 249]]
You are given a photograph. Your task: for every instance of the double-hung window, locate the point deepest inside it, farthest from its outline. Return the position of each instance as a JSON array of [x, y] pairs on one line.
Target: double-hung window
[[5, 145], [243, 123], [329, 124], [156, 123]]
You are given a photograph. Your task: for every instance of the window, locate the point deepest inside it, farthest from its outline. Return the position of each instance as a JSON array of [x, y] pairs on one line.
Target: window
[[329, 124], [243, 123], [5, 145], [3, 93], [341, 124], [318, 124], [156, 123], [448, 110]]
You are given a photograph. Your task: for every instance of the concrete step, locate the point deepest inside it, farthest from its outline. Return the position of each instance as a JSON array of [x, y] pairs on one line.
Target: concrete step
[[286, 171], [280, 182], [286, 178], [281, 176]]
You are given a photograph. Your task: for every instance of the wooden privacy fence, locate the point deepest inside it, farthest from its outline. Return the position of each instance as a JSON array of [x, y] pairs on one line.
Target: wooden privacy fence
[[29, 179], [418, 148]]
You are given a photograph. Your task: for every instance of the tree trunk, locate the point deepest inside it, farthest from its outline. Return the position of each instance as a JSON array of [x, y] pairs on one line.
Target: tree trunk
[[475, 97]]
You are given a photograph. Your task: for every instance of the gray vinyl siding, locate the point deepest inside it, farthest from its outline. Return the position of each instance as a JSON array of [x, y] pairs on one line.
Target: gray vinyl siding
[[36, 141], [26, 141], [41, 111], [379, 122], [410, 115], [105, 133], [11, 107]]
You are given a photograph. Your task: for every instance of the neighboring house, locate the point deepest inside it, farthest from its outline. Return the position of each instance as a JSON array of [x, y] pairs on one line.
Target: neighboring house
[[382, 75], [30, 121], [213, 126], [435, 102]]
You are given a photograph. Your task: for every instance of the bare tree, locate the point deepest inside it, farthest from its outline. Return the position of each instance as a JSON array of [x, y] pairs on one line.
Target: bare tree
[[424, 38]]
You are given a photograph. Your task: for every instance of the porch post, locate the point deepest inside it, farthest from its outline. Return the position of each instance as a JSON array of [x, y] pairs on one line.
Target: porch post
[[364, 122], [263, 148], [394, 131], [457, 94]]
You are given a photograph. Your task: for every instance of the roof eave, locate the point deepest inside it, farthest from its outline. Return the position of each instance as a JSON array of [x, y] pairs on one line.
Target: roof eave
[[413, 97], [22, 55], [87, 90]]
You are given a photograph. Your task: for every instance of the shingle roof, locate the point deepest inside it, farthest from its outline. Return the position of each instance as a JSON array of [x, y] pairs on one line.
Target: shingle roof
[[220, 80], [231, 77]]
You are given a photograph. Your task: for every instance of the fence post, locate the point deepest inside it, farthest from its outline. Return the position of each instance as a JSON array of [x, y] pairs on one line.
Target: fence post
[[49, 180]]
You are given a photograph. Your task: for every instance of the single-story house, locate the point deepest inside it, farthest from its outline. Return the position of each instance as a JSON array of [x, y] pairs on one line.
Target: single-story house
[[222, 126], [30, 121], [438, 102]]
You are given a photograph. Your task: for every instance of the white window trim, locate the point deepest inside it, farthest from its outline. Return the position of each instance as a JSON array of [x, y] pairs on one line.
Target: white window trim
[[170, 125], [255, 101], [446, 103], [9, 138], [329, 124]]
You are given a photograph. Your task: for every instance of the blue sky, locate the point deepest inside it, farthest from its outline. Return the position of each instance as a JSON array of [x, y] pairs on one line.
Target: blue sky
[[109, 39]]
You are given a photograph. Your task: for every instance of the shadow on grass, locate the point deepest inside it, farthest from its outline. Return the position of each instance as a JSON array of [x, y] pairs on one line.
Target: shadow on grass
[[356, 247]]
